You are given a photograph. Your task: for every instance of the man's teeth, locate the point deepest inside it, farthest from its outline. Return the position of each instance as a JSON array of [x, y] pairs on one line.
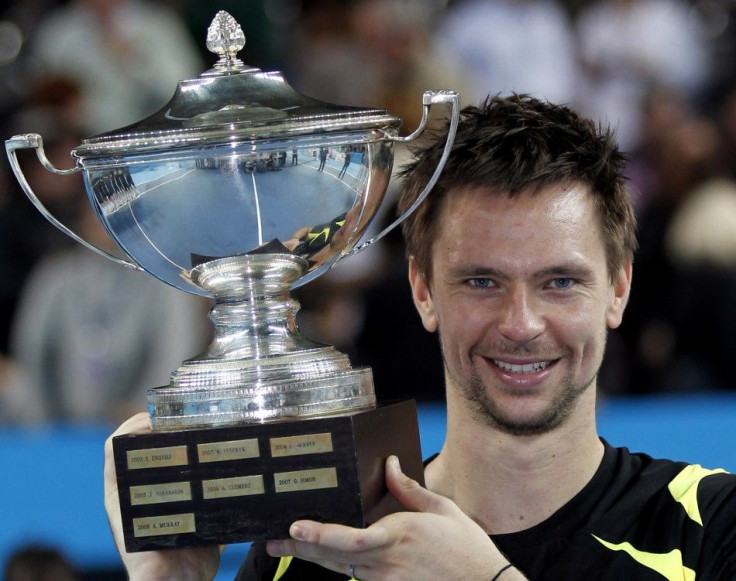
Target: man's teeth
[[525, 368]]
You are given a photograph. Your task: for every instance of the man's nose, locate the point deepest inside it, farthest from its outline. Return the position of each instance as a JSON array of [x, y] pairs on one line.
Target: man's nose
[[521, 319]]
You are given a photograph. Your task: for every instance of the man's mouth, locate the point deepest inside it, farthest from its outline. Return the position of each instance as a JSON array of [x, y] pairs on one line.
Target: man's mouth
[[523, 368]]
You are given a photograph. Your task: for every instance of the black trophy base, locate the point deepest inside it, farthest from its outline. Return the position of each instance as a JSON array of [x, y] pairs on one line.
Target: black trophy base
[[247, 482]]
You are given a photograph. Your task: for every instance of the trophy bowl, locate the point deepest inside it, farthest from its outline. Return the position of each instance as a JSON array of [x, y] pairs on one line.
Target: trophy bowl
[[241, 189]]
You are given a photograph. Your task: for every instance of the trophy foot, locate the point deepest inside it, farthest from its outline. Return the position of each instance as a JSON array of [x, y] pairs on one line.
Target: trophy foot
[[259, 367], [176, 407]]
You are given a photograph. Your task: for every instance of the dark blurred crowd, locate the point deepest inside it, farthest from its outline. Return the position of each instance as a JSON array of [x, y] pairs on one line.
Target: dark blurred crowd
[[82, 339]]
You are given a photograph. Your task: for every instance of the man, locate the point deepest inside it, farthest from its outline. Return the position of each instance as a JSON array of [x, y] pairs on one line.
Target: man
[[346, 164], [521, 260]]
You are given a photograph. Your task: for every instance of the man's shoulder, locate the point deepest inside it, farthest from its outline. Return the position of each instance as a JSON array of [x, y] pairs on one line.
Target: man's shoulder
[[642, 475], [638, 517]]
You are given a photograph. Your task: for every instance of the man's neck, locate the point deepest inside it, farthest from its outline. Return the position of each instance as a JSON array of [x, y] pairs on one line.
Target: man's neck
[[509, 483]]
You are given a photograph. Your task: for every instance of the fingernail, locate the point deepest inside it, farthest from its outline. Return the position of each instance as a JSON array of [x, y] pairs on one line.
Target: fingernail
[[395, 464], [274, 548], [296, 532]]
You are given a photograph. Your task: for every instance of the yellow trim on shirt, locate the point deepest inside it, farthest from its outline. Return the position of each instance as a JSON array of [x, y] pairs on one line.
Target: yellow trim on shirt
[[669, 565], [284, 563], [684, 489]]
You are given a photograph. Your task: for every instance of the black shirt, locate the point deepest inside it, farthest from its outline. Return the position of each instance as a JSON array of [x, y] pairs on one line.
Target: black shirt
[[638, 519]]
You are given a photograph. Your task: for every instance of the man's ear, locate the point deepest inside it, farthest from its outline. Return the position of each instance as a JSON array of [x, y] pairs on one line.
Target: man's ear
[[620, 296], [422, 297]]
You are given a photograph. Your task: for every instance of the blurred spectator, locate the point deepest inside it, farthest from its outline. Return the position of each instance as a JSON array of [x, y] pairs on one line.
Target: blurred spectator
[[20, 404], [38, 563], [700, 242], [682, 329], [18, 20], [54, 108], [629, 47], [326, 61], [718, 18], [405, 358], [94, 336], [727, 126], [25, 234], [373, 53], [19, 250], [126, 56], [661, 110], [526, 46], [703, 229]]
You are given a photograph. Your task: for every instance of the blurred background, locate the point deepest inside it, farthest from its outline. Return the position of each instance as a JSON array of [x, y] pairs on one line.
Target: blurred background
[[81, 339]]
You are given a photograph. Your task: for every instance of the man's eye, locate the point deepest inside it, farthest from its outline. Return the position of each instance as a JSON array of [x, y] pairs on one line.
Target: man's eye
[[480, 282], [561, 283]]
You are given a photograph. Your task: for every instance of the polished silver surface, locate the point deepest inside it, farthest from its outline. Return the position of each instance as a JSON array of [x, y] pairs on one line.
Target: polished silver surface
[[240, 189], [225, 38], [234, 103], [171, 213], [259, 367], [236, 161]]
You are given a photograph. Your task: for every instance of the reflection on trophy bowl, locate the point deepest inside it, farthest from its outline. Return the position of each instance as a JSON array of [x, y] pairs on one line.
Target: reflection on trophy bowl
[[174, 210]]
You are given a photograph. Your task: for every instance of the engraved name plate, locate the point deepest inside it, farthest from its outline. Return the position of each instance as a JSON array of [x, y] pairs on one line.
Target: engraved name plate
[[232, 450], [160, 493], [231, 487], [300, 445], [157, 457], [299, 480], [152, 526]]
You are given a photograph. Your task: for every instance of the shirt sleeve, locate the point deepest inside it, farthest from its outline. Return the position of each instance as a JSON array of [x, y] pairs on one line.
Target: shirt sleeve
[[717, 500]]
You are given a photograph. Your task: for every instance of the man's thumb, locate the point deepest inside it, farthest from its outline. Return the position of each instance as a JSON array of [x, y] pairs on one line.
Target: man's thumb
[[407, 491]]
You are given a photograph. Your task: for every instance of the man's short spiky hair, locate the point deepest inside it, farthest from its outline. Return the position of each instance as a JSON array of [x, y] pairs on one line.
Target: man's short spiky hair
[[513, 144]]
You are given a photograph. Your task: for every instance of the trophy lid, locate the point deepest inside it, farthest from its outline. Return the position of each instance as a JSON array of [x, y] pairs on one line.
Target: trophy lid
[[230, 103]]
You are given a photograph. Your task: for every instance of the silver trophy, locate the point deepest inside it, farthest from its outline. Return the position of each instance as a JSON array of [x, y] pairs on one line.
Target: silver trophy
[[241, 189]]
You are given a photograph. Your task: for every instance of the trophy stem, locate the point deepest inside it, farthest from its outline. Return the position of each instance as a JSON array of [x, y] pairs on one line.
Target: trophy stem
[[259, 367], [256, 327]]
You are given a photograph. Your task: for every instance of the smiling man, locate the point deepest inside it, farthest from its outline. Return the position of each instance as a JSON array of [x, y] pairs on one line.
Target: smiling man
[[524, 306], [521, 260]]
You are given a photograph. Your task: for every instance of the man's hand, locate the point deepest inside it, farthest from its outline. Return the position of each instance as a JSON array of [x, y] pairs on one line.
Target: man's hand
[[435, 541], [179, 564]]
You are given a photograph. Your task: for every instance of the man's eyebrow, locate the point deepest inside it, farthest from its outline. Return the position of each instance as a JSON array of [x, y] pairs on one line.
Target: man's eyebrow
[[474, 270], [571, 269]]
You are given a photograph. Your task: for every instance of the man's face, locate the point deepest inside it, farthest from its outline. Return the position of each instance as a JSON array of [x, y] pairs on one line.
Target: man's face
[[522, 300]]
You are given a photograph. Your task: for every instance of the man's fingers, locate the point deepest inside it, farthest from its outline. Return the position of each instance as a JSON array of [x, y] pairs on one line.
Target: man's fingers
[[316, 541], [138, 423], [338, 537]]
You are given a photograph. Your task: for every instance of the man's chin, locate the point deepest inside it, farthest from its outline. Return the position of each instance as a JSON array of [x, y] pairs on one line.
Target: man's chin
[[522, 413]]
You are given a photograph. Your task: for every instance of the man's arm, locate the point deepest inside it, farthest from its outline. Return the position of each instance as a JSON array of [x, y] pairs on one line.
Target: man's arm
[[434, 541], [181, 564]]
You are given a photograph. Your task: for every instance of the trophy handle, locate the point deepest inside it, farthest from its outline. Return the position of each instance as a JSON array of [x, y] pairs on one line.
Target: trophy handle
[[34, 141], [428, 99]]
